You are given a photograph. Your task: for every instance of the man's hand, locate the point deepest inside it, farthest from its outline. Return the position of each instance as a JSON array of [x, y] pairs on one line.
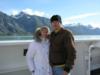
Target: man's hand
[[65, 73]]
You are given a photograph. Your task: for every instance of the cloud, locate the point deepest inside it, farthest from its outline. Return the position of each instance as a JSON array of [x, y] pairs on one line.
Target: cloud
[[30, 12], [78, 17], [95, 24], [14, 12]]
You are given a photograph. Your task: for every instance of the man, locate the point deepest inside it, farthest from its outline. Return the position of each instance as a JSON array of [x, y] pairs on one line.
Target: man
[[62, 48]]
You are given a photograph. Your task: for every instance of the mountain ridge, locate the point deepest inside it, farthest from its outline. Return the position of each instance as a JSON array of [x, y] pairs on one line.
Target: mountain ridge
[[25, 24]]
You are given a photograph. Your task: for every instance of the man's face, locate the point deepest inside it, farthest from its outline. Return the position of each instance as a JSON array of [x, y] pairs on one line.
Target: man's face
[[56, 25]]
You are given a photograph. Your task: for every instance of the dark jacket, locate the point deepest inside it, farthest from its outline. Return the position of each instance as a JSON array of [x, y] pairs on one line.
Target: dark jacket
[[62, 49]]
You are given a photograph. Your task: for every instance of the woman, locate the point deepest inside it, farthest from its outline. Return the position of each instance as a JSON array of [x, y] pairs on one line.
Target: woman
[[37, 55]]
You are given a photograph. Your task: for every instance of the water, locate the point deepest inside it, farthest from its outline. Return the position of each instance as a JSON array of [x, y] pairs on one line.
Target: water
[[4, 38], [77, 37], [87, 37]]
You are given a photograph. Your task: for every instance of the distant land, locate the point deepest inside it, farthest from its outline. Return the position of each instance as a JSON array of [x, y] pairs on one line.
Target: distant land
[[24, 24]]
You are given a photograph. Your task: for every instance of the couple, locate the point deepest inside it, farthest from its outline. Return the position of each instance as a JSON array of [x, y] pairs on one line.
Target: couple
[[52, 54]]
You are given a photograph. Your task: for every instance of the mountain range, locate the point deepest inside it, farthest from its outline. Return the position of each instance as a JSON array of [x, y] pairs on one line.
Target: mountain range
[[25, 24]]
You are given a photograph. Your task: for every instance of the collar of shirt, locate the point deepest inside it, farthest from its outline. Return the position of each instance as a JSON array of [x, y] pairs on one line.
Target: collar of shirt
[[56, 31]]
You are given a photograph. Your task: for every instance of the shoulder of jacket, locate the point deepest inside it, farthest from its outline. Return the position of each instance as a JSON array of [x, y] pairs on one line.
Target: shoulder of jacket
[[67, 31], [52, 33], [33, 43]]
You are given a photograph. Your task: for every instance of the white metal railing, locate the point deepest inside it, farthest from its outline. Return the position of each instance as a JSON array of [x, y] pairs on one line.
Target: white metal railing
[[93, 47]]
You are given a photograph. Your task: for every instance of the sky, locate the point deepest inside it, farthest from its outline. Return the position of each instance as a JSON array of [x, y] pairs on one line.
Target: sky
[[86, 12]]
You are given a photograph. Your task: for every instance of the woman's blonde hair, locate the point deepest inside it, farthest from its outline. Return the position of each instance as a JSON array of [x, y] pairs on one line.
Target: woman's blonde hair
[[38, 32], [45, 27]]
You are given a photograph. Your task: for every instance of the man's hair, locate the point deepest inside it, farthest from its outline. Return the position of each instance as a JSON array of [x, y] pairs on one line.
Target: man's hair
[[56, 18]]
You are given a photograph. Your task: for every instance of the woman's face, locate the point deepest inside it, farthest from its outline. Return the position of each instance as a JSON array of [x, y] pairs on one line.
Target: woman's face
[[44, 32]]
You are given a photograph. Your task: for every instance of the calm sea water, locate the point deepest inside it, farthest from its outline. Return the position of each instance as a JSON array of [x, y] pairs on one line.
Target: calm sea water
[[77, 37], [87, 37]]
